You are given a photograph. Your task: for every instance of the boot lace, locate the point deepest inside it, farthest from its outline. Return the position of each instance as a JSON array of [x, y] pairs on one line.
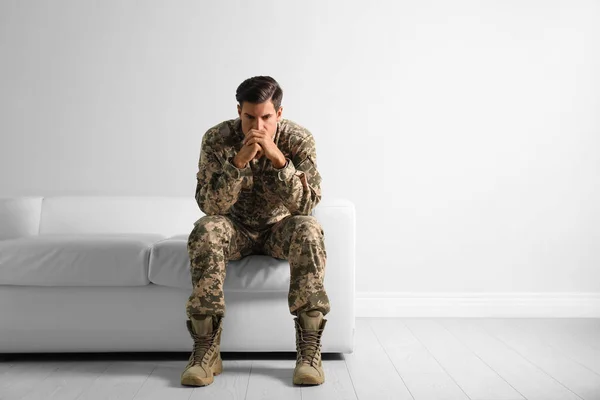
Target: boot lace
[[203, 346], [308, 345]]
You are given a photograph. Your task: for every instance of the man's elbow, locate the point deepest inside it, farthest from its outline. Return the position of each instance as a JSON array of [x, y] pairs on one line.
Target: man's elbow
[[206, 206], [212, 209], [308, 206]]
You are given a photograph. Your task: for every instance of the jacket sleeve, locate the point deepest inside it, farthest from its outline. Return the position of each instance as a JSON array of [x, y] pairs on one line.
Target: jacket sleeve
[[218, 181], [298, 183]]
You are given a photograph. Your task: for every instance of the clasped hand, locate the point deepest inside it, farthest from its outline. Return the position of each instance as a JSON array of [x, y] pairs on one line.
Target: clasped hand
[[258, 143]]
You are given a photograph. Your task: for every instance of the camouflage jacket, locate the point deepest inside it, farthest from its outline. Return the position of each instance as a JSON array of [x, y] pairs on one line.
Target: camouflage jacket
[[258, 195]]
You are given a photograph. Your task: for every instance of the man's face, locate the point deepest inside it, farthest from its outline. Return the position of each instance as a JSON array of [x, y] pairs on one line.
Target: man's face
[[260, 116]]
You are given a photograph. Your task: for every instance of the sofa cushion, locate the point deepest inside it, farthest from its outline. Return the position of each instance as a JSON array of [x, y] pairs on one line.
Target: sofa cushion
[[170, 266], [77, 260]]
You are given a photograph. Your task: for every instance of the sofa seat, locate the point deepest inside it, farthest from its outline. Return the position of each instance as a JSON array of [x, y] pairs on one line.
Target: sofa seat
[[107, 259], [170, 266]]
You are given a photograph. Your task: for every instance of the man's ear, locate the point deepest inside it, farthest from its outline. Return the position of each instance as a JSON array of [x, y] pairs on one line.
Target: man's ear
[[279, 113], [239, 109]]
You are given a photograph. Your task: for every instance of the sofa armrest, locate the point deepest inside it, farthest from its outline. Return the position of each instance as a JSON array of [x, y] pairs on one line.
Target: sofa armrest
[[19, 217], [337, 218]]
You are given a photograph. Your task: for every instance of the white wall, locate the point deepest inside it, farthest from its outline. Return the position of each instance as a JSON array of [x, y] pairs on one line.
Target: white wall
[[467, 133]]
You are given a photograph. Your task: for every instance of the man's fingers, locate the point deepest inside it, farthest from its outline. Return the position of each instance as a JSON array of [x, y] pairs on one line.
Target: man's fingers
[[252, 138], [254, 132], [252, 142]]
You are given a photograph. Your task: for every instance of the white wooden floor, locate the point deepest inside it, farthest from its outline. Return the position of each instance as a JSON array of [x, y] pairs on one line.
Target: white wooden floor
[[454, 358]]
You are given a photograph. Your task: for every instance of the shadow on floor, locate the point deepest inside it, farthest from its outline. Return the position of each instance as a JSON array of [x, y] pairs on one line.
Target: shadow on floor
[[143, 363]]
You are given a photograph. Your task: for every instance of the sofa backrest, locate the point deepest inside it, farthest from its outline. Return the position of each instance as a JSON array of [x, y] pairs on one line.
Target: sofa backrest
[[118, 214], [169, 216]]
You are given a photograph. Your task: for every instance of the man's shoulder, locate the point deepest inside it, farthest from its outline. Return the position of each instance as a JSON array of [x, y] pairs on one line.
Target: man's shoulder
[[221, 132], [292, 128], [222, 128]]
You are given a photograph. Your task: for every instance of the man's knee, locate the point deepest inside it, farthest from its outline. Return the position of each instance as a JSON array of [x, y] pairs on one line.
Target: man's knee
[[209, 232], [306, 227]]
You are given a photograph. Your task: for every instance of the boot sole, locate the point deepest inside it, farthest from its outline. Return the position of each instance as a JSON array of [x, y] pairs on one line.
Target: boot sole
[[308, 380], [192, 380]]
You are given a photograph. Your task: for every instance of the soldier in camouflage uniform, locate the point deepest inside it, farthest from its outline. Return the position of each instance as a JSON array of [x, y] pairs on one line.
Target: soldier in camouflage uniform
[[257, 184]]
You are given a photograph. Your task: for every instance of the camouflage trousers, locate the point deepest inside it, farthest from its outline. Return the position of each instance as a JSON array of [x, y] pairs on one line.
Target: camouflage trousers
[[217, 239]]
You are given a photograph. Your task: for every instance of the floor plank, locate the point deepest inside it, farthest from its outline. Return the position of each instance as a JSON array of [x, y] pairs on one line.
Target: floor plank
[[272, 379], [164, 382], [474, 377], [373, 373], [120, 381], [555, 363], [421, 373], [337, 386], [525, 377], [21, 378], [231, 384], [4, 367], [554, 333], [67, 381]]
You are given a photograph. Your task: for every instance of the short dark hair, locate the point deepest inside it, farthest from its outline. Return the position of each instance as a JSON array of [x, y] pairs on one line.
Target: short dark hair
[[259, 89]]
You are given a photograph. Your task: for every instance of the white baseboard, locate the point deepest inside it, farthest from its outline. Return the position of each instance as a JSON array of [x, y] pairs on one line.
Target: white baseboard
[[478, 305]]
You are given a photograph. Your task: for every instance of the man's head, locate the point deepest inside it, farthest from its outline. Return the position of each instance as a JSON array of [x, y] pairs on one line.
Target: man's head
[[259, 105]]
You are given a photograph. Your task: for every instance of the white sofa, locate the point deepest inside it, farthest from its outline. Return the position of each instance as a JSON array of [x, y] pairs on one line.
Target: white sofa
[[110, 273]]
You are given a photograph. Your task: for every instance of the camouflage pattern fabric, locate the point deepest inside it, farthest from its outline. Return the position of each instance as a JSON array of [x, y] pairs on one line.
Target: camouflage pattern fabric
[[257, 210], [258, 195]]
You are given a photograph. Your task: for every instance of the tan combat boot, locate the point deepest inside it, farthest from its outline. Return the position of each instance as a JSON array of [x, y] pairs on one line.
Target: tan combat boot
[[309, 367], [205, 360]]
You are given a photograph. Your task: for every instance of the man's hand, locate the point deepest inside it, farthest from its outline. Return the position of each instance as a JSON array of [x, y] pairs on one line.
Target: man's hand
[[269, 148], [247, 153]]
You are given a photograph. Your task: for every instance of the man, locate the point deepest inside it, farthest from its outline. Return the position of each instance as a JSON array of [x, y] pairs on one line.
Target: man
[[257, 184]]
